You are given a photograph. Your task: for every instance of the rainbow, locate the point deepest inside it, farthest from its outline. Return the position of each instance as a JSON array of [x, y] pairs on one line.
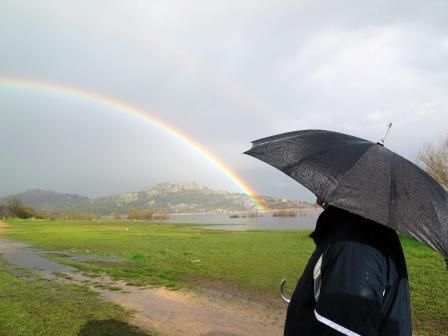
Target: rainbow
[[109, 102]]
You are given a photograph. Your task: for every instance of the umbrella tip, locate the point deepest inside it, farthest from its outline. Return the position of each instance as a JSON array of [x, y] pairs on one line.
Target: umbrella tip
[[386, 132]]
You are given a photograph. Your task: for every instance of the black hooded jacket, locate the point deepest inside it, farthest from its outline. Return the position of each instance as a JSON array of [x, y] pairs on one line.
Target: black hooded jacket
[[355, 283]]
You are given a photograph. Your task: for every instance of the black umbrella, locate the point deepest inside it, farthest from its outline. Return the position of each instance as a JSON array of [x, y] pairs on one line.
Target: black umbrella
[[364, 178]]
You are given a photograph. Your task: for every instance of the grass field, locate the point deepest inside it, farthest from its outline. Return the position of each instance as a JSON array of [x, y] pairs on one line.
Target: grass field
[[247, 262]]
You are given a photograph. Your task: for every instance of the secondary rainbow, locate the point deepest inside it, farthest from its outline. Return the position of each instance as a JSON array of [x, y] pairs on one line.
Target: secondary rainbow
[[109, 102]]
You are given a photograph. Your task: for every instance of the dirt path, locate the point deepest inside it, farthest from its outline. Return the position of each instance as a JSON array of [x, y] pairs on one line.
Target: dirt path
[[169, 312], [187, 313]]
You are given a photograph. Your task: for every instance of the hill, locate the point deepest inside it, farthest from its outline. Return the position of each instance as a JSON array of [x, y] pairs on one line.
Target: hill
[[165, 197], [51, 201]]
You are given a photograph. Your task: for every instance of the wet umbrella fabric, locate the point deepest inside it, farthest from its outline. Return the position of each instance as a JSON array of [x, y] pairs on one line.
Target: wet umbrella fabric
[[364, 178]]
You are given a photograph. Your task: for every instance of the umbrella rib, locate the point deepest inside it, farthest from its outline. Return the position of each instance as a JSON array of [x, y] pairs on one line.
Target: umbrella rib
[[326, 150], [341, 179]]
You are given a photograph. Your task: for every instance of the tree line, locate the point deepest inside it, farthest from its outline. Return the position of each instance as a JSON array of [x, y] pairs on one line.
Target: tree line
[[15, 208]]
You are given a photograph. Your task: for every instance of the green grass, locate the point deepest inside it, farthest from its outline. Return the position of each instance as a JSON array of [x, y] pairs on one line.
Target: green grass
[[251, 262], [428, 279], [30, 306]]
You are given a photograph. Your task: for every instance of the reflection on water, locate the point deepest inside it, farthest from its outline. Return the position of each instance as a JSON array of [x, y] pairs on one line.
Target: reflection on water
[[303, 220]]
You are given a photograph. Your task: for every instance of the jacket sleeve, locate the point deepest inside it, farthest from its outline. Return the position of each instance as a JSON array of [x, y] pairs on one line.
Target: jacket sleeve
[[349, 286]]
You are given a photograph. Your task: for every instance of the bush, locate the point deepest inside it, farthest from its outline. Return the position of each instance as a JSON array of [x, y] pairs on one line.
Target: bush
[[42, 215], [285, 213], [15, 208], [24, 213], [140, 214]]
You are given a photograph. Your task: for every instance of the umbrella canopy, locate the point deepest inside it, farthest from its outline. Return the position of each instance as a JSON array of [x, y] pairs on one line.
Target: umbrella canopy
[[364, 178]]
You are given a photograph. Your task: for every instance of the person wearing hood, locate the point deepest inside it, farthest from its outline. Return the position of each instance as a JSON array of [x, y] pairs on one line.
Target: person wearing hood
[[355, 282]]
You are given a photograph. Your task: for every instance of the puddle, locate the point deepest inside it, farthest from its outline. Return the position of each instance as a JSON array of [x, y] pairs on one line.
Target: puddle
[[85, 258], [22, 255]]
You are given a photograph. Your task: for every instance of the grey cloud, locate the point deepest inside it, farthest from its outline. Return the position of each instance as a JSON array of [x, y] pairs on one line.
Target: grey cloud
[[224, 73]]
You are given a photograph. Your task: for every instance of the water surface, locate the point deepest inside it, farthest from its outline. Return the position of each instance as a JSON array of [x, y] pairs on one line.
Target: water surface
[[303, 220]]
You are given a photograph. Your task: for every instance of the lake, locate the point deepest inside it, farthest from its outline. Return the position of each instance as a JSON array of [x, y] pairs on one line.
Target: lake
[[303, 220]]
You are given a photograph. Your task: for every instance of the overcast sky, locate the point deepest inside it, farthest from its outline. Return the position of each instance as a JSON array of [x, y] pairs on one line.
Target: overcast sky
[[223, 72]]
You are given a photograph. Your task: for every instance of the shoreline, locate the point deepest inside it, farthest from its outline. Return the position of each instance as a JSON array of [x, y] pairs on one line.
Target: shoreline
[[241, 212]]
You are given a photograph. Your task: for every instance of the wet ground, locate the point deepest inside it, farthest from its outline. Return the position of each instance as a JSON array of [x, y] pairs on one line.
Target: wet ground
[[169, 312]]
